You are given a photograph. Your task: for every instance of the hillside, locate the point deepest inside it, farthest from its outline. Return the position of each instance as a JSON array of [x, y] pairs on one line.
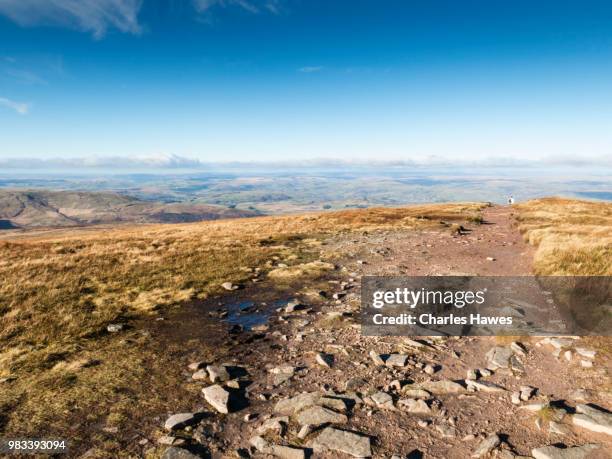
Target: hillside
[[64, 372], [30, 209]]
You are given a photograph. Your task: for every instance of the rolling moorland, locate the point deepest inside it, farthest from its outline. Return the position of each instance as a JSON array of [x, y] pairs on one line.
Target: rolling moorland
[[105, 334], [32, 208]]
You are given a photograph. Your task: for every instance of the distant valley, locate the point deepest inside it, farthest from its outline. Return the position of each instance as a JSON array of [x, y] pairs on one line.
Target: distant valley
[[36, 208]]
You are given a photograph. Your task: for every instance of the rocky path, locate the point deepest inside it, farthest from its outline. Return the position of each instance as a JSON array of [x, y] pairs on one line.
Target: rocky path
[[308, 384]]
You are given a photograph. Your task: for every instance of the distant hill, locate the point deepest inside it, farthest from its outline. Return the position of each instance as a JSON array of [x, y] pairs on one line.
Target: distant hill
[[29, 209]]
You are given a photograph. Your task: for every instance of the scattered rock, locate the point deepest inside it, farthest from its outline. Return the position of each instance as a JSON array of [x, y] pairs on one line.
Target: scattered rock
[[559, 343], [229, 286], [114, 328], [351, 443], [200, 375], [355, 383], [439, 387], [526, 392], [588, 353], [290, 406], [382, 400], [429, 369], [178, 453], [415, 406], [259, 443], [336, 403], [396, 360], [180, 420], [282, 374], [277, 425], [217, 373], [217, 397], [487, 445], [294, 305], [593, 419], [498, 357], [317, 415], [195, 366], [553, 452], [287, 452], [416, 393], [304, 432], [326, 360], [169, 440], [518, 348], [484, 386]]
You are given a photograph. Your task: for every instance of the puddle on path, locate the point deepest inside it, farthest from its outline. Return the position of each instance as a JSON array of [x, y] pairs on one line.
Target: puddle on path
[[249, 314]]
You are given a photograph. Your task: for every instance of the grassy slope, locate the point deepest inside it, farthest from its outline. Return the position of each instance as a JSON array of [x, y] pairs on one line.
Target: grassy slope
[[61, 289], [573, 237]]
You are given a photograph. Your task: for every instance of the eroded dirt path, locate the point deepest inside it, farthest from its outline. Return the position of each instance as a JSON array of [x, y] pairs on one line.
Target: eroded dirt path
[[395, 407]]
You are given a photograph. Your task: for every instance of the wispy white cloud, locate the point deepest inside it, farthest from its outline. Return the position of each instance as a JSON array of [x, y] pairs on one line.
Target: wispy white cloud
[[310, 69], [19, 107], [94, 16], [24, 76], [252, 6], [156, 161], [173, 161]]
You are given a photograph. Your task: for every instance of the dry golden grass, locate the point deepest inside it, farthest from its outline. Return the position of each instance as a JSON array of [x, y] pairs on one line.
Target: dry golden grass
[[573, 237], [60, 289]]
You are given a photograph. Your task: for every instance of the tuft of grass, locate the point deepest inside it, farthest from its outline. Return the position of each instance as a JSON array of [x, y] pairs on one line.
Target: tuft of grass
[[574, 237]]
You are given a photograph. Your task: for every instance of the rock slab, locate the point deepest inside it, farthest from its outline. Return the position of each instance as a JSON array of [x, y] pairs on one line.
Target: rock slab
[[351, 443]]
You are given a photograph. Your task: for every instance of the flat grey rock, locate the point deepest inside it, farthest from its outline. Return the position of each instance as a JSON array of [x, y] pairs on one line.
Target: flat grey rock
[[440, 387], [351, 443], [414, 406], [487, 445], [217, 373], [552, 452], [178, 453], [593, 419], [290, 406], [396, 360], [499, 357], [382, 400], [287, 452], [484, 386], [217, 397], [180, 420], [317, 415]]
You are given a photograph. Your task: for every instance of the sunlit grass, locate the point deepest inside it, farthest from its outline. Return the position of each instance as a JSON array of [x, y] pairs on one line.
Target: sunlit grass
[[573, 237]]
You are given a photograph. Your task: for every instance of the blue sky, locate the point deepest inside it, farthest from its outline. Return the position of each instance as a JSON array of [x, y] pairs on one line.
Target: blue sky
[[294, 79]]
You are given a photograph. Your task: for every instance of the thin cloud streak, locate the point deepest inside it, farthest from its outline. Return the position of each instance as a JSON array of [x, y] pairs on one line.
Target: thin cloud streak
[[19, 107], [252, 6], [173, 161], [94, 16], [310, 69]]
